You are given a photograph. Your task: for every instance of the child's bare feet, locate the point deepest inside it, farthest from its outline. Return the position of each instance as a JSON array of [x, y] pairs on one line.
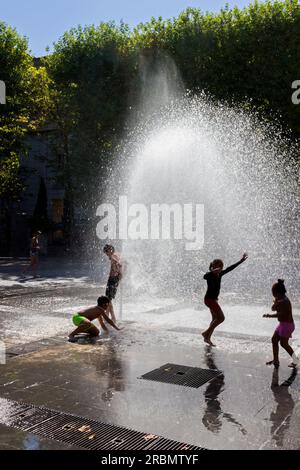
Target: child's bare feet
[[207, 340], [273, 363]]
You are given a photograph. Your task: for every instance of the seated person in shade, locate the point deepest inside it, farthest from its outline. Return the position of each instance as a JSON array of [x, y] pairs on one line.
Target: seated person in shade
[[83, 319]]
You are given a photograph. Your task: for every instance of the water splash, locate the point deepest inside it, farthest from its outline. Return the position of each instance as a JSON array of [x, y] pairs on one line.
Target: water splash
[[190, 149]]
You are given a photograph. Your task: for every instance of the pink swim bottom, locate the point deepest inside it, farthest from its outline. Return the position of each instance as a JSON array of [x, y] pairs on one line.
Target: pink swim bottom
[[285, 329]]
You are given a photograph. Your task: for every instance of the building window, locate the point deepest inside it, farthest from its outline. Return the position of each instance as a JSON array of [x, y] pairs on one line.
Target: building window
[[57, 210]]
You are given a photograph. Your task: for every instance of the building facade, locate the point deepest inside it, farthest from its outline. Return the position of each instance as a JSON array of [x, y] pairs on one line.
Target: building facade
[[42, 204]]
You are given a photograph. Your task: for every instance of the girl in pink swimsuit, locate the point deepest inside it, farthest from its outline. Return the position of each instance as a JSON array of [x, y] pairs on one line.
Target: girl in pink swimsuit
[[283, 308]]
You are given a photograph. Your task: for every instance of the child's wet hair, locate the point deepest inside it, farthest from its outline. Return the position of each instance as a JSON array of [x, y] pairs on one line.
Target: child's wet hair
[[216, 262], [102, 301], [279, 287], [108, 248]]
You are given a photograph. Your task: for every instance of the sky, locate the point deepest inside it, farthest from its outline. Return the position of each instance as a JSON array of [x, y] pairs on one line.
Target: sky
[[43, 22]]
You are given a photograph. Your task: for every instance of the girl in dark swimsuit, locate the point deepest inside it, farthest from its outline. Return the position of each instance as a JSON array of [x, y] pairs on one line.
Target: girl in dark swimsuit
[[213, 278]]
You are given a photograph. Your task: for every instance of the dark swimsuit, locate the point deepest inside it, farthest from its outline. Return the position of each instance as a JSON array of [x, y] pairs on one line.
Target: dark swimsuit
[[112, 286], [214, 282]]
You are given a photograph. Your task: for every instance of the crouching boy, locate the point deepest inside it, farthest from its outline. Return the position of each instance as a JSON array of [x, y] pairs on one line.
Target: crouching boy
[[83, 319]]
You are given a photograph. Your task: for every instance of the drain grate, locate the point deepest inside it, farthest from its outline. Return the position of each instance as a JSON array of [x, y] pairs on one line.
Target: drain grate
[[82, 432], [182, 375]]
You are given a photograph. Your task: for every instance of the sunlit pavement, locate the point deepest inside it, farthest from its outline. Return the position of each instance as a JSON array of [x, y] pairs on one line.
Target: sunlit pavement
[[249, 406]]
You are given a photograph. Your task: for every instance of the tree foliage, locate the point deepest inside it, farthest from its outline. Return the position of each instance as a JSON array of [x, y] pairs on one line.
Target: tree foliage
[[27, 105], [90, 71], [236, 54], [239, 55]]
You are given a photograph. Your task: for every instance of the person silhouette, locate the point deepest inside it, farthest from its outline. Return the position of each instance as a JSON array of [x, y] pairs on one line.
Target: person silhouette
[[213, 414], [213, 278], [34, 254], [285, 406]]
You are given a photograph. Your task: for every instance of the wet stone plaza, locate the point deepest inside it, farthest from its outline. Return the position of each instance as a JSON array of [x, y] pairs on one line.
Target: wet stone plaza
[[48, 385]]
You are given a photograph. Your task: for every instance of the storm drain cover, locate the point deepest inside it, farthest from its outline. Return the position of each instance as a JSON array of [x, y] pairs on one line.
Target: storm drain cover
[[82, 432], [182, 375]]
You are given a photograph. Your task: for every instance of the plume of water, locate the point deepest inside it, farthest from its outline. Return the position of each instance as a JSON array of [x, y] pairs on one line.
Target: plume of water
[[188, 149]]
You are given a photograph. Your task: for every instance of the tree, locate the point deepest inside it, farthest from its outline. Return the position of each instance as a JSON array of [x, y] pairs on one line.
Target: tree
[[40, 214], [91, 73], [249, 57], [27, 103], [236, 54]]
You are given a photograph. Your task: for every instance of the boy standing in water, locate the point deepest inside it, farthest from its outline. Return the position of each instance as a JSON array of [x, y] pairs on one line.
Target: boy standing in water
[[213, 278], [286, 327], [83, 319], [115, 277]]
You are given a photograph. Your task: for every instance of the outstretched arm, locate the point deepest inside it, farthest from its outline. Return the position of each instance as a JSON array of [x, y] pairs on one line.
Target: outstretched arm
[[274, 309], [102, 324], [233, 266], [110, 321]]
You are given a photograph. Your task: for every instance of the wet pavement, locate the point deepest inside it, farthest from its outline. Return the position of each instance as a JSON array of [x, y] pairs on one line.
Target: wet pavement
[[248, 406]]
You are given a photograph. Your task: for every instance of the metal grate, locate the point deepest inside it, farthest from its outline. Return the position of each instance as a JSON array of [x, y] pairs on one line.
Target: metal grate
[[82, 432], [182, 375]]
